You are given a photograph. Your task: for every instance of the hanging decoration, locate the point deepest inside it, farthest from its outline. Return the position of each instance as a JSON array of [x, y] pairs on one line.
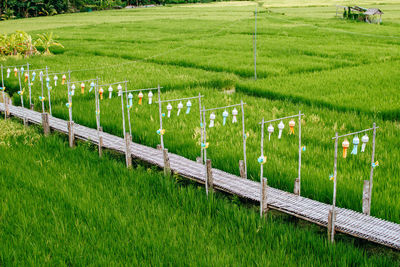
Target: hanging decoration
[[15, 71], [82, 88], [119, 87], [356, 141], [63, 78], [42, 98], [161, 131], [364, 141], [47, 82], [69, 105], [303, 148], [140, 95], [224, 116], [41, 76], [91, 86], [26, 77], [73, 89], [110, 90], [212, 118], [188, 105], [130, 97], [20, 93], [101, 91], [262, 159], [270, 131], [180, 106], [234, 114], [55, 80], [281, 126], [150, 95], [331, 177], [292, 123], [205, 145], [8, 73], [22, 70], [169, 108], [345, 145], [33, 76], [2, 88], [375, 164]]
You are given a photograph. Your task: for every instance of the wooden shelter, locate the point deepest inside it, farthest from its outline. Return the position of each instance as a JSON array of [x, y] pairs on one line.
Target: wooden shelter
[[370, 15]]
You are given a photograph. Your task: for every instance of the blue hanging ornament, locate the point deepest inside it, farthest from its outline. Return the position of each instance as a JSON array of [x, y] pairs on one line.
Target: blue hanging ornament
[[22, 70], [356, 141], [33, 76], [188, 105], [130, 97], [48, 82], [91, 86], [224, 115]]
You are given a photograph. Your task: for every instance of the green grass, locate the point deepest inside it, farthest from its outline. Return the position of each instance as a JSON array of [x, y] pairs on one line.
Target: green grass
[[67, 206], [343, 75]]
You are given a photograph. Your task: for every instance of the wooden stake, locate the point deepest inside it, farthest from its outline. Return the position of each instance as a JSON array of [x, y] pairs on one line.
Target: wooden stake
[[25, 120], [100, 142], [296, 190], [365, 198], [331, 225], [264, 197], [242, 169], [71, 135], [128, 155], [167, 167], [32, 106], [210, 180], [7, 108], [45, 123]]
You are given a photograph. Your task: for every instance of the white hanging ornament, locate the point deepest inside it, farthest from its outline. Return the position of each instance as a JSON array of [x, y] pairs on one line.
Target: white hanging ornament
[[150, 95], [212, 118], [119, 87], [169, 108], [73, 89], [180, 106], [224, 116], [364, 141], [188, 105], [55, 80], [8, 73], [41, 75], [22, 70], [280, 127], [91, 86], [110, 90], [270, 131], [234, 114], [130, 97]]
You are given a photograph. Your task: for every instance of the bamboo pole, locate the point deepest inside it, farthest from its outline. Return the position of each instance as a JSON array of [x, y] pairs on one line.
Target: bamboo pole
[[201, 128], [123, 113], [299, 171], [48, 90], [160, 115], [20, 88], [41, 80], [128, 108], [371, 176], [332, 230], [29, 87], [261, 167], [69, 97], [255, 44], [244, 140], [205, 147], [3, 92]]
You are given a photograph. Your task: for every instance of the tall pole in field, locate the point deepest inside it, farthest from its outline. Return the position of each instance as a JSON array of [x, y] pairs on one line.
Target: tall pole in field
[[255, 44], [205, 148], [128, 107], [41, 80], [69, 97], [20, 88], [371, 176], [160, 114], [261, 165], [299, 174], [244, 140], [2, 89], [123, 113], [48, 88], [334, 190], [201, 127], [29, 86]]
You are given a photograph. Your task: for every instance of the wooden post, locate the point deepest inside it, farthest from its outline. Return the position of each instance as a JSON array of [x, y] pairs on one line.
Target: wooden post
[[298, 180], [167, 166], [371, 176], [6, 108], [201, 131], [71, 135], [45, 123], [264, 197], [205, 148], [128, 155], [261, 166], [29, 86], [48, 90], [296, 190], [365, 198], [127, 109], [32, 106], [160, 115], [210, 180], [41, 82], [331, 225], [100, 142], [25, 120], [244, 141], [242, 169], [333, 218]]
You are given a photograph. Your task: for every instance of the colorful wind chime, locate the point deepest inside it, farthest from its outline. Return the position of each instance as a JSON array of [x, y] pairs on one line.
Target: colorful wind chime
[[179, 107], [281, 126], [225, 115], [356, 142]]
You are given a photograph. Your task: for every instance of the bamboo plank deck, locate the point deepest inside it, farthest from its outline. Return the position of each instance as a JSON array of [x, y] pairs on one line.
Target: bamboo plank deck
[[348, 221]]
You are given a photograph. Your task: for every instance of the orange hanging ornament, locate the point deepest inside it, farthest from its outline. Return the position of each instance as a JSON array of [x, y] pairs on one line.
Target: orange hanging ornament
[[345, 145], [292, 123], [15, 71], [101, 93], [26, 77], [140, 98], [82, 88], [63, 79]]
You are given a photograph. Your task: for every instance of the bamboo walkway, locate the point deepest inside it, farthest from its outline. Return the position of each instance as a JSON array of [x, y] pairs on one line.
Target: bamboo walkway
[[347, 221]]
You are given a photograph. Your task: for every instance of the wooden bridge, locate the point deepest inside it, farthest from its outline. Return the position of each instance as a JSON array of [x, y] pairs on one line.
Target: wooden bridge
[[347, 221]]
